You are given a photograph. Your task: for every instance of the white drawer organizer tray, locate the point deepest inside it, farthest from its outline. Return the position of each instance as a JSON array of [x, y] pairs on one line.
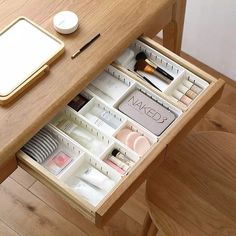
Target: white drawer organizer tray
[[181, 76], [91, 152]]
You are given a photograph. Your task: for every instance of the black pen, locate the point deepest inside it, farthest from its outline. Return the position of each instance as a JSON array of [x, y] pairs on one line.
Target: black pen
[[85, 46]]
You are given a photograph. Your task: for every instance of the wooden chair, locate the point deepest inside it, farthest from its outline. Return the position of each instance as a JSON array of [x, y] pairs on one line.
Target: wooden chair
[[193, 193]]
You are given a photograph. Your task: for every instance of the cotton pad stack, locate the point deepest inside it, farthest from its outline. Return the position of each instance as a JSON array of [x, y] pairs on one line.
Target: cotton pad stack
[[41, 146]]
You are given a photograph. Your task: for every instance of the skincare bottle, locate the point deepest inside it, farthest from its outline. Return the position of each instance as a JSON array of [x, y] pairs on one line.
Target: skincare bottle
[[82, 136], [99, 123], [96, 178], [119, 163], [86, 191], [110, 85], [122, 157], [106, 117]]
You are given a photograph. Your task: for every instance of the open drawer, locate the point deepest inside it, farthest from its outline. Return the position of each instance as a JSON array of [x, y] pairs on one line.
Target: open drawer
[[104, 144]]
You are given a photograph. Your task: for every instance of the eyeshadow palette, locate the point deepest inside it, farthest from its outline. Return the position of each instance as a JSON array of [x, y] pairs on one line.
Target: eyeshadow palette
[[147, 112]]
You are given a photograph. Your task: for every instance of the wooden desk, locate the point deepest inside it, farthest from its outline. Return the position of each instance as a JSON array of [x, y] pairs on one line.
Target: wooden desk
[[119, 22]]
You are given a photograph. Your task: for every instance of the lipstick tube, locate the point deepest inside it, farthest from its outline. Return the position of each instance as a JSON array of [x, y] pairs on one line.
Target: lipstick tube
[[181, 97], [192, 86], [188, 92]]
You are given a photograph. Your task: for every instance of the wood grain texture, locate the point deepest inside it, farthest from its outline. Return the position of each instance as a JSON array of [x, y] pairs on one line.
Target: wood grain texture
[[8, 165], [136, 203], [6, 231], [116, 198], [119, 224], [28, 215], [196, 187], [221, 117], [135, 207], [172, 33], [23, 178], [118, 24]]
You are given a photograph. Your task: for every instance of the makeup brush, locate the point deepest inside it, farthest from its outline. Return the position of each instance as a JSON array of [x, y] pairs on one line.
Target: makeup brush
[[143, 56], [142, 65], [144, 78]]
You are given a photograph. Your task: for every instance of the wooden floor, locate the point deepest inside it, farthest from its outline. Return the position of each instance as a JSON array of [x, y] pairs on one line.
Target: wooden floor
[[28, 208]]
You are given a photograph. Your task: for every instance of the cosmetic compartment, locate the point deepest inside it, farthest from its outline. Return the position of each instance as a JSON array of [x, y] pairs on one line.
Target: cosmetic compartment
[[97, 150], [183, 88]]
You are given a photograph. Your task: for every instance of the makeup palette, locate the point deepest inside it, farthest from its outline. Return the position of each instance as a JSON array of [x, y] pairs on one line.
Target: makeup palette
[[147, 112]]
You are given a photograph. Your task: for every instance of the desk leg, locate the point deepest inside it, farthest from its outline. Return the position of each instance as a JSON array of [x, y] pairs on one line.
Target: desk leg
[[172, 33], [7, 167]]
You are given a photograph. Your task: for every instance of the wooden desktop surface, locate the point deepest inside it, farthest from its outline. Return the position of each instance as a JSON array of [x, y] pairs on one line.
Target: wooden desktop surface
[[119, 23]]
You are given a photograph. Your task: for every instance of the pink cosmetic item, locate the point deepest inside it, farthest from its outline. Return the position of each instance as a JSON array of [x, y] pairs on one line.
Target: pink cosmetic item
[[141, 145], [58, 163], [114, 166], [122, 135], [188, 92], [181, 97], [122, 158], [147, 112], [195, 88], [131, 137]]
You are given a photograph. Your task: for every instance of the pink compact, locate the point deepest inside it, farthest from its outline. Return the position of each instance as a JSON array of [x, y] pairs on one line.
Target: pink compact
[[58, 163]]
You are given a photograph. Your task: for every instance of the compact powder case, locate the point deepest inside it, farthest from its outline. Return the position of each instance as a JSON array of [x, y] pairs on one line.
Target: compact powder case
[[65, 22]]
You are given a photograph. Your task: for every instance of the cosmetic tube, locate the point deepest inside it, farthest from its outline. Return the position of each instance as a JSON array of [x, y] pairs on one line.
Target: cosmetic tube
[[102, 95], [87, 192], [181, 97], [119, 163], [122, 158], [114, 166], [188, 92], [195, 88], [82, 136], [110, 85], [106, 117], [97, 179], [99, 123]]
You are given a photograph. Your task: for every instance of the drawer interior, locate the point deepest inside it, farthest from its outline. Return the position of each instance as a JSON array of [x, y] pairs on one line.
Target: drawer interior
[[100, 144], [169, 77]]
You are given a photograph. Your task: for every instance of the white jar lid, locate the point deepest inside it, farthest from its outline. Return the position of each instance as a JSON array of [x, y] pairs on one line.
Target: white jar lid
[[65, 22]]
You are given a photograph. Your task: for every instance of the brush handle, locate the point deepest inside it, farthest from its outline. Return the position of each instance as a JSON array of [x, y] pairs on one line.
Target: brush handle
[[163, 72], [160, 70], [144, 78], [162, 77]]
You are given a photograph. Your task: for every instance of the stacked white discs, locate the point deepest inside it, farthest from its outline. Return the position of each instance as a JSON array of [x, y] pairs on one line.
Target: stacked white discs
[[41, 146]]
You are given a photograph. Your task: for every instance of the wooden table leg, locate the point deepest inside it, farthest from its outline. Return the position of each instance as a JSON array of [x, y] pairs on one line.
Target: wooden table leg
[[7, 167], [149, 229], [172, 33]]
